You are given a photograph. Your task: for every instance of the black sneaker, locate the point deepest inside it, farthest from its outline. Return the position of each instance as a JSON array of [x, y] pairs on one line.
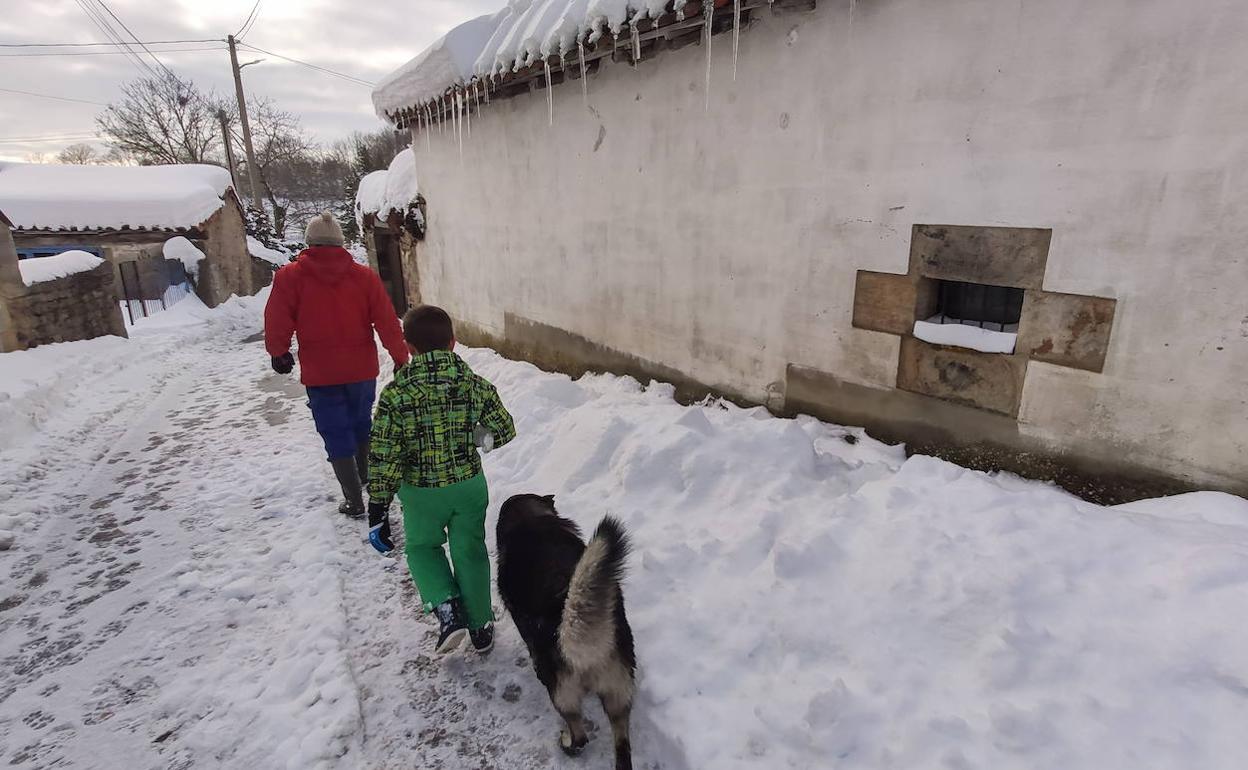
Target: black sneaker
[[350, 511], [483, 639], [454, 629]]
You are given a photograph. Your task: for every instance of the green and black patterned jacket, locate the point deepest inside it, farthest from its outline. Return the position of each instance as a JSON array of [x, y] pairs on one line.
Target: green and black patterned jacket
[[423, 429]]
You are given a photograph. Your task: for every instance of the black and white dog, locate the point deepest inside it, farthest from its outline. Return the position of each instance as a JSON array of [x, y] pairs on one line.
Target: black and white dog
[[565, 599]]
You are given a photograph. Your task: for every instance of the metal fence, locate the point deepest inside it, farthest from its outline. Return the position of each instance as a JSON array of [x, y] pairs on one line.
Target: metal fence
[[150, 286]]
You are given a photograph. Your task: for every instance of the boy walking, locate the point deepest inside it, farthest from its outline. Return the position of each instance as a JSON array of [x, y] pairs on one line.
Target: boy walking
[[429, 423]]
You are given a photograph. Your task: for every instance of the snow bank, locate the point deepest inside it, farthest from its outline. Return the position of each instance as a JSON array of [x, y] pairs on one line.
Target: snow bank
[[963, 335], [395, 189], [187, 253], [42, 269], [260, 251], [54, 197], [521, 33]]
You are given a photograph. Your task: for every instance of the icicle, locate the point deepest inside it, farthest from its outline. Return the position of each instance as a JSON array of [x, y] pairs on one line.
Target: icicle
[[709, 11], [636, 34], [468, 113], [459, 125], [580, 49], [550, 93], [476, 95], [736, 35], [428, 128]]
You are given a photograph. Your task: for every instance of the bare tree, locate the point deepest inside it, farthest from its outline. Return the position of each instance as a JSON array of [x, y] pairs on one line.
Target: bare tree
[[283, 150], [80, 154], [160, 121], [36, 157]]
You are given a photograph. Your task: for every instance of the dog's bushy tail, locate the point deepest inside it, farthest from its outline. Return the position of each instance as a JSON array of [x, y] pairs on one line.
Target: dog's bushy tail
[[587, 628]]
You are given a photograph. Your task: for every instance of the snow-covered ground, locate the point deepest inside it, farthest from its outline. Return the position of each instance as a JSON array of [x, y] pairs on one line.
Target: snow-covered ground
[[180, 592]]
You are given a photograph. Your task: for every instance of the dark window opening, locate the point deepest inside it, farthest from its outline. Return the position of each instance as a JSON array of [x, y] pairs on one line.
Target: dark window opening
[[976, 304], [51, 251]]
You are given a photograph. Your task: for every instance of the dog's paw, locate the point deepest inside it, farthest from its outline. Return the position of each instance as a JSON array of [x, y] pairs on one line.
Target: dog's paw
[[570, 747]]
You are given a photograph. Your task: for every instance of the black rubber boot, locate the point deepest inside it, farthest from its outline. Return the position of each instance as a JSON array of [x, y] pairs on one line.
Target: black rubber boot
[[352, 490], [454, 629], [361, 462]]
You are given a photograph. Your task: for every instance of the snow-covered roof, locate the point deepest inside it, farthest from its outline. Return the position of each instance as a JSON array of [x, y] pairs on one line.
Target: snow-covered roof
[[42, 269], [5, 220], [383, 192], [40, 196], [521, 33]]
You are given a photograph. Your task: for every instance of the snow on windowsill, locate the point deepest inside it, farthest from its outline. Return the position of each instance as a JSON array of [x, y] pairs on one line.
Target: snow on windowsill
[[43, 269], [961, 334]]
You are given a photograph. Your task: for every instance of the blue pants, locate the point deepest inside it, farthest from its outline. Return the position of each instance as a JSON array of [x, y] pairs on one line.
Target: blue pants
[[343, 415]]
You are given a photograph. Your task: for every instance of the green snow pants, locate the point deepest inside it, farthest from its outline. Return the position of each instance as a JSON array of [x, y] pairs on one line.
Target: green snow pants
[[433, 516]]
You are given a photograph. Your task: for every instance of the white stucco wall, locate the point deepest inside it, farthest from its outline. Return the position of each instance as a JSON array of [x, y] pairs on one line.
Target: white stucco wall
[[724, 242]]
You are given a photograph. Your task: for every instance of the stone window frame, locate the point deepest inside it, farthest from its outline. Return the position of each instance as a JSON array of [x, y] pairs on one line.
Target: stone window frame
[[1069, 330]]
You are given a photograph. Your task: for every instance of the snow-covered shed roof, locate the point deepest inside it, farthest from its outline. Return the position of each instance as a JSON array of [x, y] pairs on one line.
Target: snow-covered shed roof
[[525, 35], [395, 189], [5, 220], [40, 196]]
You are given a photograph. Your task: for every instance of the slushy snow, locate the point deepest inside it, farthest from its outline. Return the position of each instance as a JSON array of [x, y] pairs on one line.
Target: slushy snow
[[43, 269], [38, 196], [181, 592], [187, 253]]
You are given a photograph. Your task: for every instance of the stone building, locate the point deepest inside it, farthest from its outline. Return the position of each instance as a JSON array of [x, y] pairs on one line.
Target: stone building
[[391, 216], [126, 214], [61, 298], [1008, 235]]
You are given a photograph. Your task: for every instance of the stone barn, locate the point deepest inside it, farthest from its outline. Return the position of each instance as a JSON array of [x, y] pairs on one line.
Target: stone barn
[[391, 216], [1007, 234], [126, 215]]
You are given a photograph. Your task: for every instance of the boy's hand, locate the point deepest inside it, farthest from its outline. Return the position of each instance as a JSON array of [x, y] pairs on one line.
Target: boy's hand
[[284, 364], [483, 438], [379, 527]]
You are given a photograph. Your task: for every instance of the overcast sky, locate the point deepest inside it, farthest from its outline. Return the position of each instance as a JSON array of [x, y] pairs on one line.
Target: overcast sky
[[363, 38]]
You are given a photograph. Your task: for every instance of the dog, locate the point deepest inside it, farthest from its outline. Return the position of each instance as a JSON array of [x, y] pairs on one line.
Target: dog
[[564, 597]]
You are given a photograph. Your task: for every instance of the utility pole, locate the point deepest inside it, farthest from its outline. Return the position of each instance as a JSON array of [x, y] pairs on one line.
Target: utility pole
[[229, 148], [253, 169]]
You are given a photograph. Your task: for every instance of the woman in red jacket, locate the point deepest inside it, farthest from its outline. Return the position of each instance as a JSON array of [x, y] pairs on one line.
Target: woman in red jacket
[[332, 305]]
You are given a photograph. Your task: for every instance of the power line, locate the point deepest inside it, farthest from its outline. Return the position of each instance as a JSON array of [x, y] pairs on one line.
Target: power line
[[168, 71], [102, 53], [87, 45], [49, 96], [44, 139], [250, 20], [103, 26], [326, 70]]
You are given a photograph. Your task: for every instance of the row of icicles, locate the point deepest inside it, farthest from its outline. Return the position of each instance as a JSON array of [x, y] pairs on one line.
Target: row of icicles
[[458, 107]]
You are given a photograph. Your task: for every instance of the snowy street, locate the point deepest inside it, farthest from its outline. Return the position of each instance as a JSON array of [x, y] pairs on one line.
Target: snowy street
[[180, 591]]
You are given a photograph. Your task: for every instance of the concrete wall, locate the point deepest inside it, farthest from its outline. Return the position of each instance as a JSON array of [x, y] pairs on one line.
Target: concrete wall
[[721, 244]]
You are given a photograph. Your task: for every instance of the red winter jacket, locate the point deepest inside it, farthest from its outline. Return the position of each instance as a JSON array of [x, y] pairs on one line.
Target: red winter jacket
[[331, 304]]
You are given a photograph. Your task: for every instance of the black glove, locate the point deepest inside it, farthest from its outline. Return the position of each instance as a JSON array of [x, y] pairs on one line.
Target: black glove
[[284, 364], [379, 527]]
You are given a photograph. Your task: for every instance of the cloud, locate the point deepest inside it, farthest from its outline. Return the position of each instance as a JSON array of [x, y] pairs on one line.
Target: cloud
[[363, 39]]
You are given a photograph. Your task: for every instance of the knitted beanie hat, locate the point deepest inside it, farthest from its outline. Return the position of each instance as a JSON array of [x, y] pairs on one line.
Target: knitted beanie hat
[[323, 230]]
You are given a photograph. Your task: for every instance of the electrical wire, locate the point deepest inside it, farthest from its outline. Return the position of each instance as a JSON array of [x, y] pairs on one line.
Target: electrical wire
[[102, 24], [86, 45], [247, 24], [50, 96], [161, 64], [326, 70], [102, 53]]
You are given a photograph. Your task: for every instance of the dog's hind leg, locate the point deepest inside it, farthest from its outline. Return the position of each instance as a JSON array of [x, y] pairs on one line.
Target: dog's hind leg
[[567, 696], [619, 707]]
